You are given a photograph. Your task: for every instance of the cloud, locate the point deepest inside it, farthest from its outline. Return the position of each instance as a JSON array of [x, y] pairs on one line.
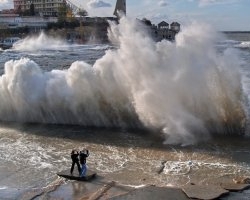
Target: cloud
[[162, 3], [209, 2], [6, 4], [212, 2], [98, 4]]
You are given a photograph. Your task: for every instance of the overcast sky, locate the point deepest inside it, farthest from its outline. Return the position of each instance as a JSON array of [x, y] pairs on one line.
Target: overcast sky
[[222, 14]]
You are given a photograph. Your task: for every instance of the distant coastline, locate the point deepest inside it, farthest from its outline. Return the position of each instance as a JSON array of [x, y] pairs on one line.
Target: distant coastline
[[235, 32]]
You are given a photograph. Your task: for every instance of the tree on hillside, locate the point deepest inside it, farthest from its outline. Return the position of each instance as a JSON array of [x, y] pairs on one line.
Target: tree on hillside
[[62, 12], [82, 12], [147, 21]]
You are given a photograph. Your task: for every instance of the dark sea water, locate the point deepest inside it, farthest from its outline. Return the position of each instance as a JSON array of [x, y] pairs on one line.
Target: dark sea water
[[180, 108]]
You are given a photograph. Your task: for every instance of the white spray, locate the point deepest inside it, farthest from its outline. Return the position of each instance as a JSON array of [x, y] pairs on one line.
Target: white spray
[[183, 89], [40, 42]]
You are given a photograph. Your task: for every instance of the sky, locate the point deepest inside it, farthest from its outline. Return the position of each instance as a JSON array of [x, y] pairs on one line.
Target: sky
[[223, 15]]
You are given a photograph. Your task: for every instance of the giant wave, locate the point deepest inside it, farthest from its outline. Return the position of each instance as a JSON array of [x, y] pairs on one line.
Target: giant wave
[[184, 90]]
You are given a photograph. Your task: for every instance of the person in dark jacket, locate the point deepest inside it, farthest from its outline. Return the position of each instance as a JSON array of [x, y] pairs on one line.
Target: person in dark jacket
[[75, 160], [83, 155]]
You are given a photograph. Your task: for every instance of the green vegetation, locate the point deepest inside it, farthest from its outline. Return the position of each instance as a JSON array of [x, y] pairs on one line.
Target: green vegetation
[[73, 23], [14, 32]]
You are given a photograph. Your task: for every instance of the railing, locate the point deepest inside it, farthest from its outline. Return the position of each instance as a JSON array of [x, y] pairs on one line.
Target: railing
[[74, 7]]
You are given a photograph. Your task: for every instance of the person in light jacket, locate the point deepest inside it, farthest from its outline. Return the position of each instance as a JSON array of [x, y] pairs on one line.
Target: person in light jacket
[[83, 155]]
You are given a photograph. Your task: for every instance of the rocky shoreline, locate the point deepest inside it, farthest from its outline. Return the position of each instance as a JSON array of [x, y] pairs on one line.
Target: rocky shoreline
[[102, 189]]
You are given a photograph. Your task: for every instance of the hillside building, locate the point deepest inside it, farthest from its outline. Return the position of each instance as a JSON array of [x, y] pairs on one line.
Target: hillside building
[[91, 28], [43, 7], [164, 31], [35, 23]]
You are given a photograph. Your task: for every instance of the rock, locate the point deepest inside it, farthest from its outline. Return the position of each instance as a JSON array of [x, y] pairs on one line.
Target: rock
[[234, 186], [205, 192], [153, 192], [241, 180], [162, 167], [99, 193]]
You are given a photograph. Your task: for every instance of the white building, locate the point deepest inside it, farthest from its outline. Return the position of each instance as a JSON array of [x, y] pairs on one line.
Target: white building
[[43, 7], [34, 23]]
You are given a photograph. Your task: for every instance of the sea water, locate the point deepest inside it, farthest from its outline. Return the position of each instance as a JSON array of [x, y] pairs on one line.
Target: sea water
[[166, 113]]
